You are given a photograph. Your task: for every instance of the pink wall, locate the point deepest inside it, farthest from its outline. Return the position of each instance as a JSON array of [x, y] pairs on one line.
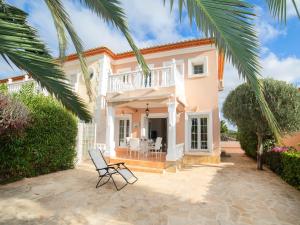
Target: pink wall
[[292, 140]]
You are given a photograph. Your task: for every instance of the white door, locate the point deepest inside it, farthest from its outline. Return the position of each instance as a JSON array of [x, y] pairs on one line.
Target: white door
[[198, 133], [124, 131]]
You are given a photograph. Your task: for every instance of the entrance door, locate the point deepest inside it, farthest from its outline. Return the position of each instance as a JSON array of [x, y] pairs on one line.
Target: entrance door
[[157, 127]]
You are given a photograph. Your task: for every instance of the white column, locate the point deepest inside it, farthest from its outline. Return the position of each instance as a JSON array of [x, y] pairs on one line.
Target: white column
[[171, 152], [110, 127], [173, 72]]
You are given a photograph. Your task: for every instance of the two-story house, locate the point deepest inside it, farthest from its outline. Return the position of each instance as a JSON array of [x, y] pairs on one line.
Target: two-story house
[[177, 100]]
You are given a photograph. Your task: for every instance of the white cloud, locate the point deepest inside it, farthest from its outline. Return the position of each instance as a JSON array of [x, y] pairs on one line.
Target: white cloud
[[265, 26], [287, 69], [267, 32], [290, 8]]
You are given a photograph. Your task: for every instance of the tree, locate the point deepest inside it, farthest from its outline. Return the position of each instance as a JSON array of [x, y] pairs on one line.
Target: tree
[[20, 45], [241, 107], [229, 23], [224, 128]]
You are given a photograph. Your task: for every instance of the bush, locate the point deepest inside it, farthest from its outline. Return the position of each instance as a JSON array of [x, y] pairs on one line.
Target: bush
[[14, 117], [48, 144], [273, 158], [248, 141], [291, 168]]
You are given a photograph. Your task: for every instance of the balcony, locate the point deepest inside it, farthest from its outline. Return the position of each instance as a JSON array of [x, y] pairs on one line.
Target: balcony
[[169, 78], [135, 80], [16, 86]]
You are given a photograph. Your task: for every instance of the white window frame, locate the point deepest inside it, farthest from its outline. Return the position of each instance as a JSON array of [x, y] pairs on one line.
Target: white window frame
[[123, 117], [207, 115], [200, 60]]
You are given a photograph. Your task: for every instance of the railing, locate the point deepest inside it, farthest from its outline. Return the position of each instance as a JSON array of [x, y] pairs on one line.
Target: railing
[[179, 151], [17, 85], [157, 77]]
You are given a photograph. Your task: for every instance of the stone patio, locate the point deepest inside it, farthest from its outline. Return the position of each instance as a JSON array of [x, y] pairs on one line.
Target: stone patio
[[233, 192]]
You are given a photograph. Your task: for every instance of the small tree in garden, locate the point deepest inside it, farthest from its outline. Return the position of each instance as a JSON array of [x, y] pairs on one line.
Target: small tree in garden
[[224, 128], [242, 109], [14, 117]]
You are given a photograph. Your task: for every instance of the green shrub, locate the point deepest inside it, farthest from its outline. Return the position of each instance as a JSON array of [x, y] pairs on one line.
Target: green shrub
[[3, 88], [274, 161], [48, 144], [291, 168], [248, 141]]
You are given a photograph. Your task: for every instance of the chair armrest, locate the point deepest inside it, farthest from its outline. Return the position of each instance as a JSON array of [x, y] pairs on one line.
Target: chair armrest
[[116, 164], [106, 168]]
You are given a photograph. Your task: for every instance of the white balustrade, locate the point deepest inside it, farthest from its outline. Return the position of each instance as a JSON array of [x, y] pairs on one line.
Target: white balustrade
[[16, 86], [179, 151], [157, 77]]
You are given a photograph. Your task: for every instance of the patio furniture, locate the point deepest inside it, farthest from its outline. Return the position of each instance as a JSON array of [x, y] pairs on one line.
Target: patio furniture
[[134, 145], [157, 147], [108, 170]]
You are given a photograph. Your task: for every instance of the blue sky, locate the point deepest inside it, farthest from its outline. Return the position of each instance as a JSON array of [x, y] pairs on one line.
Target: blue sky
[[152, 24]]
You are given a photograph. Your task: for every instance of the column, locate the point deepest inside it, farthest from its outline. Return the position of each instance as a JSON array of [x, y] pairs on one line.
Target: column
[[110, 127], [171, 152]]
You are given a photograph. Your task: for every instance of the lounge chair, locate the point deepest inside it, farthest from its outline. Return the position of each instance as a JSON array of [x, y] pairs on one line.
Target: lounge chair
[[108, 170]]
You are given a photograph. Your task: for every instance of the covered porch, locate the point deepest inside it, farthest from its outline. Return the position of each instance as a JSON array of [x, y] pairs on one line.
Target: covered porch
[[147, 120]]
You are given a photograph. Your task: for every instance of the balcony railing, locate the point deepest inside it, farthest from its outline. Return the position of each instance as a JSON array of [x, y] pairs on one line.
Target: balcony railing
[[157, 78], [16, 86]]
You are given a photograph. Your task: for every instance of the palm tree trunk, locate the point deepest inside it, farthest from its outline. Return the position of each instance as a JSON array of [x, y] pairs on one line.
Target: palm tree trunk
[[259, 152]]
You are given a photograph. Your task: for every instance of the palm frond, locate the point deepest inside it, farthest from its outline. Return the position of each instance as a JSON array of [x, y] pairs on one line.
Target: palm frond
[[230, 24], [111, 12], [278, 8], [20, 44], [62, 22]]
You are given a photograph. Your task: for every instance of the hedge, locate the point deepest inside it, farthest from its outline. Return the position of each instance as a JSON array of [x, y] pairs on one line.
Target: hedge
[[48, 144], [291, 168], [248, 142], [285, 161]]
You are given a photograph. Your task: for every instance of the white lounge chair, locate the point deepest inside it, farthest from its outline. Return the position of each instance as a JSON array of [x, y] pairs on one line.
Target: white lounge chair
[[108, 170]]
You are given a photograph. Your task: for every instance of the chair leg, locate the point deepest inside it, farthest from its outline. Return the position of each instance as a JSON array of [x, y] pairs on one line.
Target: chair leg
[[97, 185], [118, 189]]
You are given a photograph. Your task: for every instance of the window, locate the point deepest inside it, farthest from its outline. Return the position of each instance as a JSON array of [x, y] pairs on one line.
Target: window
[[198, 132], [91, 75], [198, 69], [124, 131]]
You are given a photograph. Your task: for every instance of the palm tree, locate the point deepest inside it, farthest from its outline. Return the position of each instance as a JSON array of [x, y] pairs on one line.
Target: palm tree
[[20, 45], [229, 22]]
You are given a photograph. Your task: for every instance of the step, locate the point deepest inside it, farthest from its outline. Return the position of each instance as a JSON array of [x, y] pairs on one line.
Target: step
[[139, 163], [199, 159], [145, 169]]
